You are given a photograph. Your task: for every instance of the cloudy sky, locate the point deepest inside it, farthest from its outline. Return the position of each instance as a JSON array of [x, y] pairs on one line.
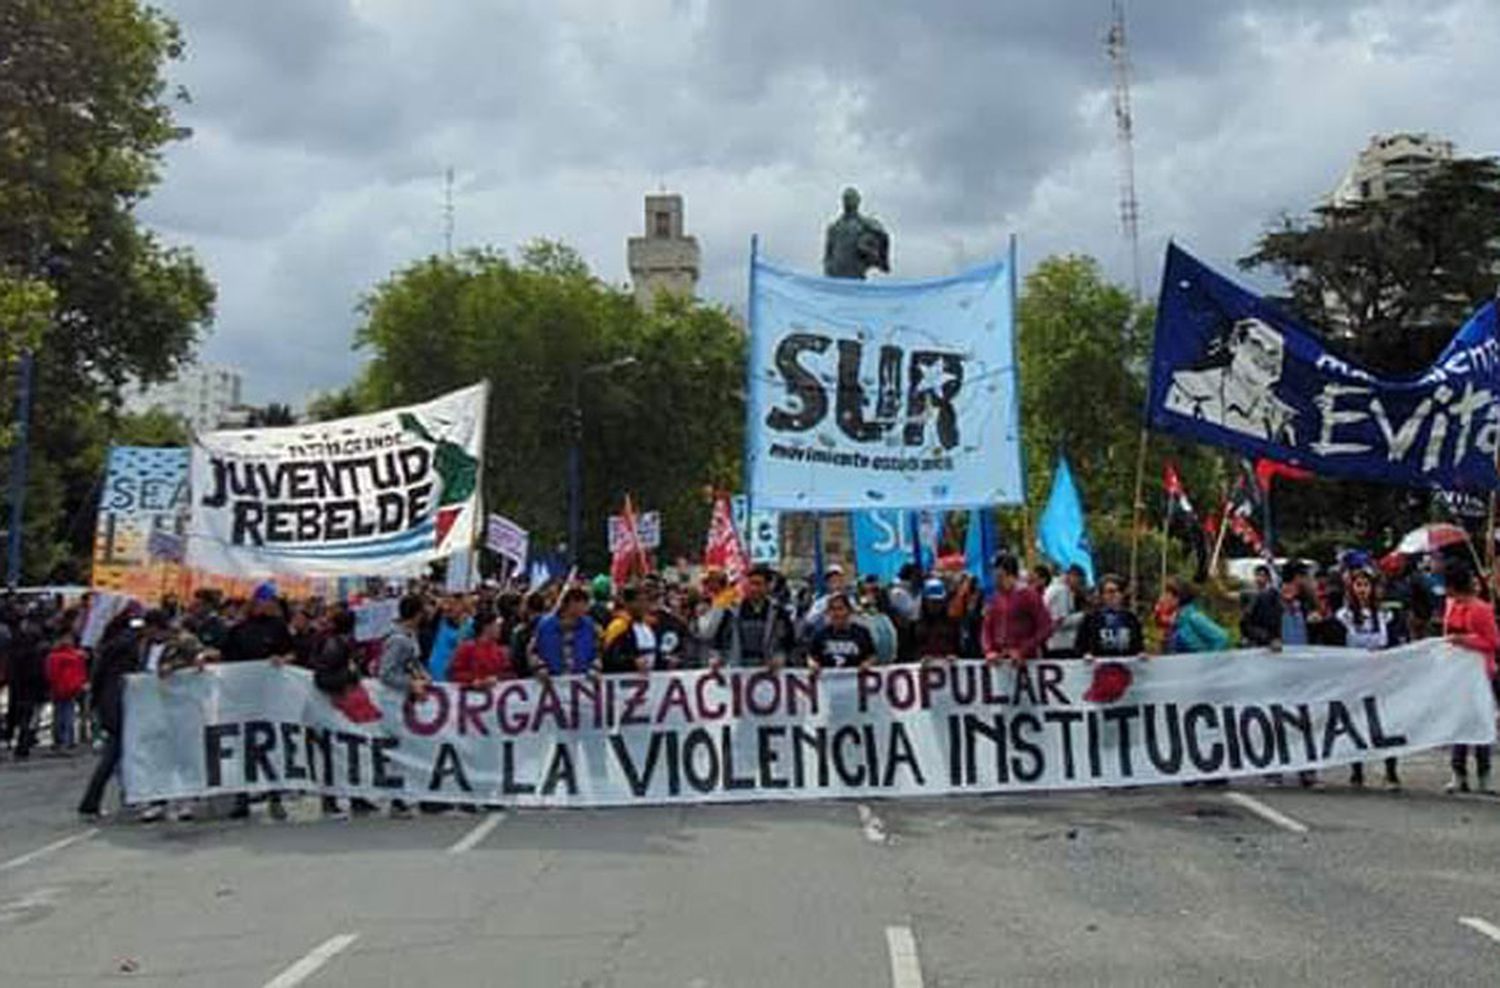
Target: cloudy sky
[[323, 128]]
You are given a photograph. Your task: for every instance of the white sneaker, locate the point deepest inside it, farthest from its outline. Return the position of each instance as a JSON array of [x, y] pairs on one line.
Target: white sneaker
[[153, 813], [183, 813], [1456, 783]]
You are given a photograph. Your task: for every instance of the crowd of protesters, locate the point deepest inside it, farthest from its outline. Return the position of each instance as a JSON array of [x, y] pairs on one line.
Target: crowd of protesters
[[656, 623]]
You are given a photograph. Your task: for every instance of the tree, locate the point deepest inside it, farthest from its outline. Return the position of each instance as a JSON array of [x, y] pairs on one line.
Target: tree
[[662, 425], [85, 110], [271, 416], [1083, 349], [1387, 283], [335, 405]]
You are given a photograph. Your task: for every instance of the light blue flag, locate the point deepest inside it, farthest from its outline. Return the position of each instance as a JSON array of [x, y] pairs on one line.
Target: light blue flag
[[980, 547], [882, 394], [1061, 533], [882, 542]]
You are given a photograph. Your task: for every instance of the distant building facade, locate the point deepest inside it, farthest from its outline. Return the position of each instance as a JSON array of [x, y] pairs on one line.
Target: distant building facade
[[205, 396], [1391, 165], [665, 259]]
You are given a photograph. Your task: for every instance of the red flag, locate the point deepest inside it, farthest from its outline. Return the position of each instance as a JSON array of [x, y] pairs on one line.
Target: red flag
[[1177, 499], [725, 549], [629, 554], [1267, 471]]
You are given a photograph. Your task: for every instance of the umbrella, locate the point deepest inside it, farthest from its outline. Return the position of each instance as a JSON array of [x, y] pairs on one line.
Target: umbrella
[[1431, 538]]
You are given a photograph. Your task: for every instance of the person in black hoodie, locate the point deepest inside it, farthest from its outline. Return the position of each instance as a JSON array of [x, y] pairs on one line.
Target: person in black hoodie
[[1261, 622], [28, 684], [335, 670], [1110, 630]]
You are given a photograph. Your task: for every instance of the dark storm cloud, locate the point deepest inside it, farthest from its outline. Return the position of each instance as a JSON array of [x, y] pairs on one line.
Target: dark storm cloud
[[323, 129]]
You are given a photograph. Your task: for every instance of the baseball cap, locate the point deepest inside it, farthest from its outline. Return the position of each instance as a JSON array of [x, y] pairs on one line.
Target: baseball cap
[[934, 589]]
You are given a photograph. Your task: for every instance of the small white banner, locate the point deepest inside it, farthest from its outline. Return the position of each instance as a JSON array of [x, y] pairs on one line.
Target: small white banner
[[744, 734], [648, 524], [505, 538]]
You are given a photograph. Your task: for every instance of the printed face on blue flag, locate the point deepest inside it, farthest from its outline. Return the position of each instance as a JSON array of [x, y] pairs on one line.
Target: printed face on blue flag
[[1231, 370], [884, 394]]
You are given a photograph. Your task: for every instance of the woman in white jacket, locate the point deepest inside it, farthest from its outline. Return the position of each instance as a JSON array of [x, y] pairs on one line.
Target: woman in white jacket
[[1367, 626]]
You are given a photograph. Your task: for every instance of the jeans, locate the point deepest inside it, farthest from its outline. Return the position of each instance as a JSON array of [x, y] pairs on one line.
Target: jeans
[[64, 721], [1460, 760], [109, 761]]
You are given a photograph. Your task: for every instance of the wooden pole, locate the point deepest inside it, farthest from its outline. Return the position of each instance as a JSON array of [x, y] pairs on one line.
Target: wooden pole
[[1138, 506], [1213, 564], [1166, 541]]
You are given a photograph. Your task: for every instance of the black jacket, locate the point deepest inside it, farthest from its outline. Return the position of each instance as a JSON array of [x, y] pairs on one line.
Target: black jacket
[[1261, 622]]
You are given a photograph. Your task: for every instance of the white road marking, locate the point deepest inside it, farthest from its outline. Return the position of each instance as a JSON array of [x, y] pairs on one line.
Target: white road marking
[[1267, 813], [481, 830], [42, 852], [1482, 926], [872, 825], [906, 971], [314, 959]]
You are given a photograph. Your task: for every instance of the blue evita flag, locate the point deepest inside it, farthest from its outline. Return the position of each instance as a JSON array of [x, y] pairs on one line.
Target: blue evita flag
[[1231, 370], [1061, 533], [885, 394]]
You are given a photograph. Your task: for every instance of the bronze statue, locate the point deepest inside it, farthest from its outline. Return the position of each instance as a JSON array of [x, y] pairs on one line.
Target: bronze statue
[[855, 243]]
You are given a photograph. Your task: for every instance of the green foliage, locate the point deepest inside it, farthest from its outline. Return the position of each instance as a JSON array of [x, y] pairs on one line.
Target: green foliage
[[1390, 280], [151, 428], [335, 405], [1081, 357], [271, 416], [1083, 351], [546, 333], [85, 112]]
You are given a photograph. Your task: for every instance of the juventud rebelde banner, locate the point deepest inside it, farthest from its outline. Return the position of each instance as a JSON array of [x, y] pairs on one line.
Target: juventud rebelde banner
[[375, 494], [741, 734]]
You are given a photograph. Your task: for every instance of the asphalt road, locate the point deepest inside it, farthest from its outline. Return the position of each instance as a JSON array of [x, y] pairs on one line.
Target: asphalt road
[[1165, 886]]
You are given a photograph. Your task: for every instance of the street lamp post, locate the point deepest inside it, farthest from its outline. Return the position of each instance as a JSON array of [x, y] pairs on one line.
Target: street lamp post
[[575, 455]]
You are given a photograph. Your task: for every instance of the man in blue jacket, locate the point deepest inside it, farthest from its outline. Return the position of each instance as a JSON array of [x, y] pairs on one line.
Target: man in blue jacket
[[566, 641]]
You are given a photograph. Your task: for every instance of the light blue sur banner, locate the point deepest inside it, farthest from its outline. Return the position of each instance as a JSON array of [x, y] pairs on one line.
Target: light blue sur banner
[[882, 394], [1062, 534]]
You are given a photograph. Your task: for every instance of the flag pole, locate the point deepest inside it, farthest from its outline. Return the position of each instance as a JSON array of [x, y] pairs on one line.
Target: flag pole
[[1137, 508], [1213, 564], [1166, 541]]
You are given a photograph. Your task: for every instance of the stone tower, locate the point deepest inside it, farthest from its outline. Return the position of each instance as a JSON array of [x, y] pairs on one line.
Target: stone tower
[[664, 260]]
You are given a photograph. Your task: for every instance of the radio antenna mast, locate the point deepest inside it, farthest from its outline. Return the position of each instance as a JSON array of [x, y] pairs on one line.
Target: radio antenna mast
[[1119, 57], [448, 212]]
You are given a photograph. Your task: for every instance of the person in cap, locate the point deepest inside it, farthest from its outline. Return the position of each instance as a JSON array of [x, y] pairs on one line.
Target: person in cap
[[937, 631], [834, 585]]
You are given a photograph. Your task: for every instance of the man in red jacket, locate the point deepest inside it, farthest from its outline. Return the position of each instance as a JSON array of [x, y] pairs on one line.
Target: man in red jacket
[[1016, 622]]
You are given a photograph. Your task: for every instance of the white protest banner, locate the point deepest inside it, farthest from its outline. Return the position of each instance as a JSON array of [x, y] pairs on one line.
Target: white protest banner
[[372, 495], [373, 618], [744, 734], [761, 529], [104, 607], [647, 524], [505, 538]]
